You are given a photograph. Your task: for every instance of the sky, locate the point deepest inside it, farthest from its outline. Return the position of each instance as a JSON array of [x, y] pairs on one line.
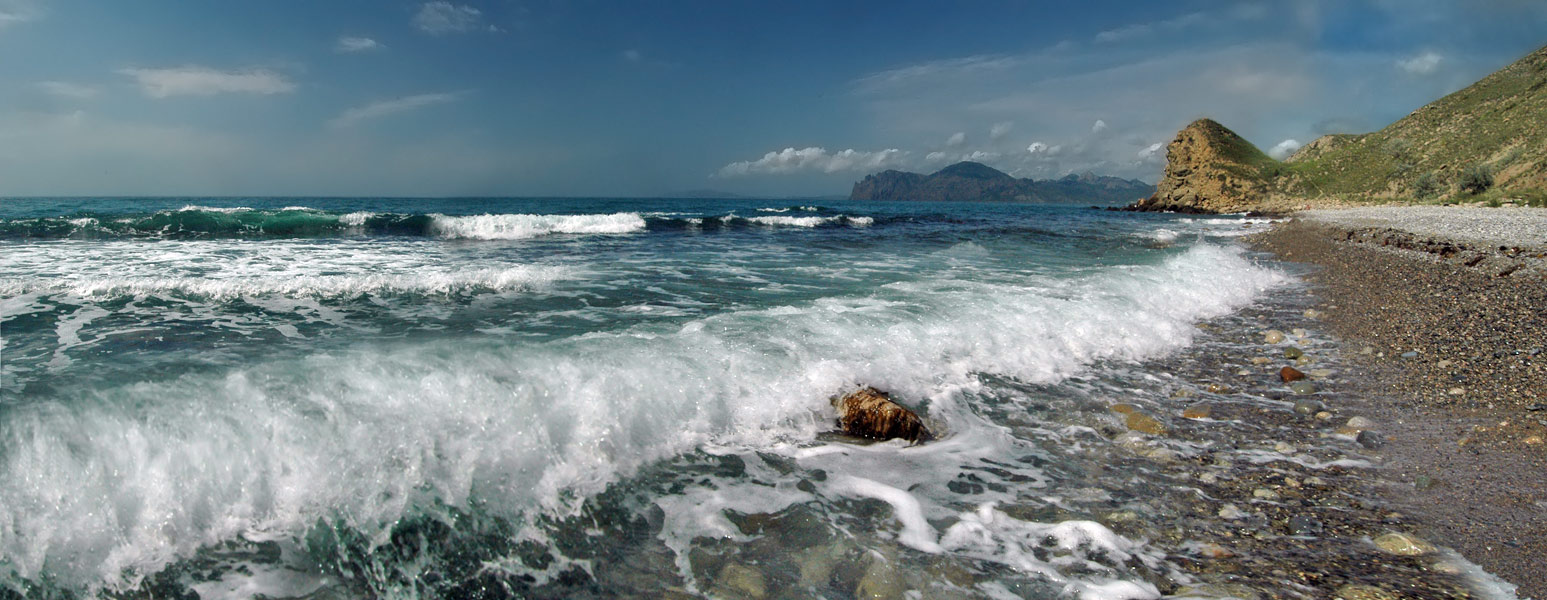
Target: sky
[[588, 98]]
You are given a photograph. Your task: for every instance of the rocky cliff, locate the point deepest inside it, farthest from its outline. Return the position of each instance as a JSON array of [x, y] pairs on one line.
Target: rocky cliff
[[1210, 169], [976, 182]]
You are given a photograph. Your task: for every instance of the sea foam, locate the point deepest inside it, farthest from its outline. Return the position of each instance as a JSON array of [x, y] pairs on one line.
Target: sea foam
[[116, 483], [520, 227]]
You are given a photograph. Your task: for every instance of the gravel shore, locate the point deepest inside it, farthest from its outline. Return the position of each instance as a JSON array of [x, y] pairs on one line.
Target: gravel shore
[[1445, 310]]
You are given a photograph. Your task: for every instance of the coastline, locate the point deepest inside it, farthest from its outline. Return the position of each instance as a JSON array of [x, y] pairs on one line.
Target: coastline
[[1442, 317]]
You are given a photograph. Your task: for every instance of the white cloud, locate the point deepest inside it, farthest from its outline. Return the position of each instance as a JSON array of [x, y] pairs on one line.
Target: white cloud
[[791, 160], [1423, 64], [981, 156], [1043, 149], [65, 89], [1143, 29], [1284, 149], [1099, 126], [439, 18], [349, 45], [204, 81], [382, 108], [1000, 129], [13, 12], [956, 139], [1240, 12], [937, 68], [936, 157], [1152, 151]]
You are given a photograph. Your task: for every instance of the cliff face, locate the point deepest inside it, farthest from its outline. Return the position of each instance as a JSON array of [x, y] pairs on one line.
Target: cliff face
[[975, 182], [1210, 169]]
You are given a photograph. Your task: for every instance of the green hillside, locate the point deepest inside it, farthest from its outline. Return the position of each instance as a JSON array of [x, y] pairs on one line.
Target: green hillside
[[1446, 151]]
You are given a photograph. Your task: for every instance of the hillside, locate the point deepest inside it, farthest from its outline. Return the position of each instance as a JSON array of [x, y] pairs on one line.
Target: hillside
[[976, 182], [1485, 143]]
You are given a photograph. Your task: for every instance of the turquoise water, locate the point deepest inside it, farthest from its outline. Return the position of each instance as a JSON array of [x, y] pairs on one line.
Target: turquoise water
[[563, 398]]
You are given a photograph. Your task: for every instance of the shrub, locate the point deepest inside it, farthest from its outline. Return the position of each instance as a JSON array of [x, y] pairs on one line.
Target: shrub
[[1477, 179], [1426, 186]]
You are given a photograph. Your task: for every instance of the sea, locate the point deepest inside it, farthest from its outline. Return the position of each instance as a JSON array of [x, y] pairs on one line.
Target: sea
[[601, 398]]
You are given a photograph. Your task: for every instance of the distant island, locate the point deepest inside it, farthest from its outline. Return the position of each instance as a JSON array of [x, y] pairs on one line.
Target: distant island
[[977, 182]]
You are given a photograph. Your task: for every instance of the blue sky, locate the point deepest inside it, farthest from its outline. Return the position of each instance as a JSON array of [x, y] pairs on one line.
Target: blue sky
[[574, 97]]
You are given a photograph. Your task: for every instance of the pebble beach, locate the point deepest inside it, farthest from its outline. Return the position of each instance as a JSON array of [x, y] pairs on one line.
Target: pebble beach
[[1439, 314]]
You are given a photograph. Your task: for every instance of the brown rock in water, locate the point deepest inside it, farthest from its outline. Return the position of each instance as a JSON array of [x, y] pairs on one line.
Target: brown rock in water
[[1143, 423], [869, 413], [1289, 374]]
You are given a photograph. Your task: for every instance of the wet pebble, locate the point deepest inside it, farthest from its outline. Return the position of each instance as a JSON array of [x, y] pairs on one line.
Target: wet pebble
[[1229, 512], [1324, 416], [1284, 448], [1358, 591], [1273, 336], [742, 582], [1307, 407], [1290, 374], [1261, 360], [1304, 525], [881, 580], [1403, 544], [1302, 387], [1370, 439], [1142, 423], [1265, 494], [1293, 353], [1409, 355], [1201, 410], [1218, 590]]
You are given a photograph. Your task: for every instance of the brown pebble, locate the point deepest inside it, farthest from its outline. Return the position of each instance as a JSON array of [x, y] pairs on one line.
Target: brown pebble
[[1143, 423], [1123, 408], [1288, 374]]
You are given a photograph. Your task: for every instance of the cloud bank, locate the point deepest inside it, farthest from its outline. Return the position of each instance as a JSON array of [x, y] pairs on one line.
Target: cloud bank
[[351, 45], [791, 160], [204, 81], [441, 18]]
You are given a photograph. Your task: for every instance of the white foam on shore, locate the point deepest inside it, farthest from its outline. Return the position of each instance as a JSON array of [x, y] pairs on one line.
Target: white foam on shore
[[121, 481], [916, 532], [520, 227]]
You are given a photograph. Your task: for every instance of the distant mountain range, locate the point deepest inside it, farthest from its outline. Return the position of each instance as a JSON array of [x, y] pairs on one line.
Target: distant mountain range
[[977, 182]]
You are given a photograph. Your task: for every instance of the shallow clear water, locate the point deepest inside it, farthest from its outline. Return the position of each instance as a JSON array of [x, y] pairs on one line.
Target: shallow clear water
[[452, 398]]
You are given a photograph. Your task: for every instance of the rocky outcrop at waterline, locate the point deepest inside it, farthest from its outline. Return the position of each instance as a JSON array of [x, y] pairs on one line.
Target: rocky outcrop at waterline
[[1210, 169], [870, 413]]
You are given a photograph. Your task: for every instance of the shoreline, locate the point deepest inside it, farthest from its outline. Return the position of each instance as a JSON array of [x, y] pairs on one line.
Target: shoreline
[[1446, 330]]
